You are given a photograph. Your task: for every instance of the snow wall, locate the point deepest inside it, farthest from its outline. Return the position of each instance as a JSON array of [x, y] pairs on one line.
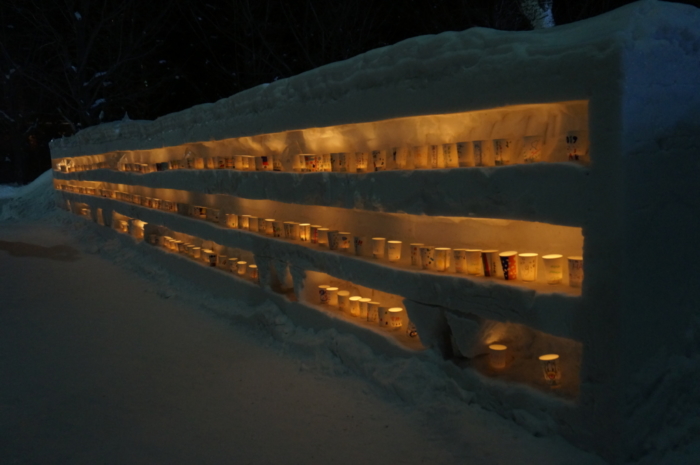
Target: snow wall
[[580, 140]]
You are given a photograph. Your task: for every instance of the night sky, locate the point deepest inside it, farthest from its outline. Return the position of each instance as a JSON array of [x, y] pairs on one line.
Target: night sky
[[70, 64]]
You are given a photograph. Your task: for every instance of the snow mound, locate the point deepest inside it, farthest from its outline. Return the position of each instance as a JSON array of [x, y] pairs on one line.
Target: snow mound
[[35, 200]]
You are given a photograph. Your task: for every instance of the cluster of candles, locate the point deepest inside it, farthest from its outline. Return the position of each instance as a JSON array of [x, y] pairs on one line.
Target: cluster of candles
[[495, 152], [475, 262], [549, 363], [390, 318], [207, 256]]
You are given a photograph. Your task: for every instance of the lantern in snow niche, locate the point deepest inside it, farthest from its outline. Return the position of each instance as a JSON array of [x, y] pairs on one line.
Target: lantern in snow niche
[[364, 307], [378, 245], [383, 316], [323, 236], [503, 151], [552, 268], [532, 149], [394, 318], [415, 254], [210, 163], [291, 230], [199, 163], [361, 245], [305, 232], [474, 262], [221, 261], [263, 163], [277, 229], [200, 212], [241, 267], [361, 161], [333, 239], [314, 233], [497, 356], [398, 157], [209, 257], [189, 249], [411, 330], [232, 264], [460, 256], [323, 293], [575, 271], [488, 262], [181, 246], [310, 163], [344, 301], [550, 368], [508, 263], [442, 258], [253, 272], [419, 154], [394, 251], [435, 157], [243, 222], [449, 153], [344, 240], [355, 305], [232, 220], [577, 145], [270, 227], [379, 160], [527, 266], [332, 296], [196, 252], [373, 312], [253, 225], [230, 163], [427, 257]]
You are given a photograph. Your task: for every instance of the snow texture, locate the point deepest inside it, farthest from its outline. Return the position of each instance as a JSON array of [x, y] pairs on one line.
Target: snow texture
[[638, 68]]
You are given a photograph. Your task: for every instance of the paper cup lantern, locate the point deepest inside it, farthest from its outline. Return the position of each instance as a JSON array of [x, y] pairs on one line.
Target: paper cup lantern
[[503, 151], [395, 318], [373, 312], [497, 356], [420, 156], [550, 369], [314, 233], [311, 163], [344, 240], [460, 258], [474, 265], [189, 250], [355, 305], [323, 236], [332, 296], [209, 257], [197, 252], [449, 153], [305, 232], [575, 271], [333, 239], [552, 268], [232, 264], [241, 267], [509, 265], [532, 149], [442, 258], [361, 161], [527, 266], [291, 230], [270, 227], [415, 254], [361, 245], [427, 257], [344, 301], [364, 307], [277, 229], [243, 222], [253, 272], [383, 314], [379, 160], [221, 261], [263, 163], [253, 225], [323, 293], [232, 220], [394, 251], [378, 245], [489, 258], [577, 146]]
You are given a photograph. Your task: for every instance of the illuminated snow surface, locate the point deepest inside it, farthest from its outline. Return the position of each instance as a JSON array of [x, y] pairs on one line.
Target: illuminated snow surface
[[108, 358]]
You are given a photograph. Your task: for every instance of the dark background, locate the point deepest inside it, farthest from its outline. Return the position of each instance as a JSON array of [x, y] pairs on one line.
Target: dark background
[[70, 64]]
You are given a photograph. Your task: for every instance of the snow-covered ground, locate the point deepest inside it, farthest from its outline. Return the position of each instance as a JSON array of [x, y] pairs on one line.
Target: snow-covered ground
[[107, 358]]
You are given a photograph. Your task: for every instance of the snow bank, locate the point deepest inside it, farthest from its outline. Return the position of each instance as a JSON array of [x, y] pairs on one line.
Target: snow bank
[[35, 200]]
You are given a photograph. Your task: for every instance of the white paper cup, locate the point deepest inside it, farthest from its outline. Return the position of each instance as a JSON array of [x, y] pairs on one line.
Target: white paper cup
[[221, 261], [420, 156], [361, 245], [553, 268], [427, 257], [398, 158], [575, 271], [269, 227], [305, 232], [323, 293], [497, 356], [344, 301], [527, 266], [243, 221], [196, 252], [311, 163], [291, 230], [362, 161], [189, 250], [415, 254], [209, 257], [314, 233], [263, 163], [232, 264], [344, 241], [383, 314], [489, 260], [509, 265], [503, 151], [253, 272], [253, 225], [550, 369], [394, 251], [394, 318], [531, 151], [241, 267], [449, 153], [379, 160], [355, 305], [323, 236], [474, 265], [232, 220], [460, 256], [332, 296], [333, 239], [442, 258], [577, 146], [277, 229], [378, 246], [373, 312], [364, 307]]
